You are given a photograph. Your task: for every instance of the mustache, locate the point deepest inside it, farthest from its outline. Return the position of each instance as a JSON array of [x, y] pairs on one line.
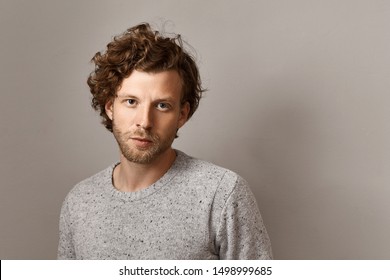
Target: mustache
[[141, 133]]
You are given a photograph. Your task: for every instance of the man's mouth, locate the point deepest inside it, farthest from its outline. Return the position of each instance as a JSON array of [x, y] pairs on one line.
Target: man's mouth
[[142, 143], [142, 139]]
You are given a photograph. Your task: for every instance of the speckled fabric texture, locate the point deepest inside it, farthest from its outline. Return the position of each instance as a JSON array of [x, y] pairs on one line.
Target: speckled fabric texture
[[197, 210]]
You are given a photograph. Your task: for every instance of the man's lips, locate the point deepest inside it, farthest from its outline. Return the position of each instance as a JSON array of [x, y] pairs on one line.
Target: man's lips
[[142, 139], [142, 143]]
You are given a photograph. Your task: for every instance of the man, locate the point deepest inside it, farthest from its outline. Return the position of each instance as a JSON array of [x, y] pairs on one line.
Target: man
[[157, 202]]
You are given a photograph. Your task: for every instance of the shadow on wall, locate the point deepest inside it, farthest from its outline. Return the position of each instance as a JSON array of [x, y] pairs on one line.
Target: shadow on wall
[[289, 157], [279, 153]]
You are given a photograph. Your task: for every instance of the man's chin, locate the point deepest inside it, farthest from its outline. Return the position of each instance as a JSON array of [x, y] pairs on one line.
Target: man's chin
[[142, 156]]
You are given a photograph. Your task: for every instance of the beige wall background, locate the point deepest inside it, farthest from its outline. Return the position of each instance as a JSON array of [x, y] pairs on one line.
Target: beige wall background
[[298, 104]]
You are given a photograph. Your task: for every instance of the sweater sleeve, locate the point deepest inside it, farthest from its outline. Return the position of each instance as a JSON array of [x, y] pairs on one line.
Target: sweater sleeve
[[241, 233], [65, 246]]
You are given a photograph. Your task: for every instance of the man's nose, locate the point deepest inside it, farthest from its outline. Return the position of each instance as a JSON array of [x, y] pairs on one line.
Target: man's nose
[[144, 117]]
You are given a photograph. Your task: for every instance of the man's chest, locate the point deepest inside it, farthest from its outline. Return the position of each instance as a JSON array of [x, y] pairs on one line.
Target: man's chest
[[163, 230]]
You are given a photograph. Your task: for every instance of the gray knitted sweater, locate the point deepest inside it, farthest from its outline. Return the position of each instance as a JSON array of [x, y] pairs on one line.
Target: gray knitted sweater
[[197, 210]]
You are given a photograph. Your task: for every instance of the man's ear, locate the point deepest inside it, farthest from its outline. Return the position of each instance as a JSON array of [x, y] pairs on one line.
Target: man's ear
[[109, 108], [184, 111]]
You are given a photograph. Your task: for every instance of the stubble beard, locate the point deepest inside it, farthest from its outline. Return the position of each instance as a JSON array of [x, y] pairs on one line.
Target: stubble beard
[[141, 155]]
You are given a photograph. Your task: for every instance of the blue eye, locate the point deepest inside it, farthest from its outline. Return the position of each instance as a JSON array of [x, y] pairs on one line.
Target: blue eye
[[163, 106]]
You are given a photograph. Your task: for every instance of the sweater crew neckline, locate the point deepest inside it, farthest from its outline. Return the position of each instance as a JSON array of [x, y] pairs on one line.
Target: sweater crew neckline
[[178, 164]]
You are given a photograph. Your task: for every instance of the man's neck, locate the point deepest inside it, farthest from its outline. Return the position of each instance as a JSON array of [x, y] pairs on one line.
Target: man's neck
[[130, 177]]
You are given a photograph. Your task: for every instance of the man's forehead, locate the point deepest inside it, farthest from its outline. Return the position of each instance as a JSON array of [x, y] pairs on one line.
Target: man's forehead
[[162, 96], [165, 83]]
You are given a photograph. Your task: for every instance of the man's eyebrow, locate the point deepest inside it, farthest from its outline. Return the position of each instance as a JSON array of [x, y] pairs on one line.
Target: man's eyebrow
[[167, 99], [161, 99], [125, 95]]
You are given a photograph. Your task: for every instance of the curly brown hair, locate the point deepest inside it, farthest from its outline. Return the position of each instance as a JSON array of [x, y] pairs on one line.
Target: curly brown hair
[[143, 49]]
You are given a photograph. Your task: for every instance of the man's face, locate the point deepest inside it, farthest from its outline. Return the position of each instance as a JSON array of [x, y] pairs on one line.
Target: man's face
[[146, 114]]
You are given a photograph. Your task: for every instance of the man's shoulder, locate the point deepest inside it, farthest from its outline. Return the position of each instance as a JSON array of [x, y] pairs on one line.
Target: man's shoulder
[[207, 179], [92, 184], [208, 172]]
